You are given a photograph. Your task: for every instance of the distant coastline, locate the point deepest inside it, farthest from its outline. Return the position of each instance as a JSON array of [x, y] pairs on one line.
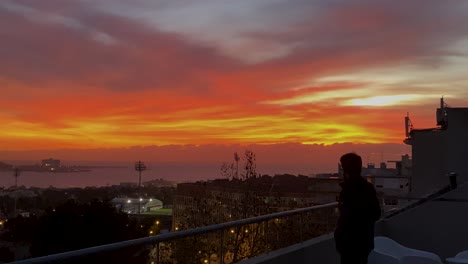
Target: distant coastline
[[60, 169], [63, 169]]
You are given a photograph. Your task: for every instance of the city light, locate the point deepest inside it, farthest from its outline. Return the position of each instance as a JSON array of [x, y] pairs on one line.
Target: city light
[[129, 201], [157, 222]]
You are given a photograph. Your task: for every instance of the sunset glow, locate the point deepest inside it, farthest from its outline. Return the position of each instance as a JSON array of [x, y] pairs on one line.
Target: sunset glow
[[387, 100], [136, 73]]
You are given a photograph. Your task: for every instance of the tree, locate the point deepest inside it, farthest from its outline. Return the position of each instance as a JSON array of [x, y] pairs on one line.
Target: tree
[[241, 194], [236, 197], [6, 255], [230, 170], [73, 225]]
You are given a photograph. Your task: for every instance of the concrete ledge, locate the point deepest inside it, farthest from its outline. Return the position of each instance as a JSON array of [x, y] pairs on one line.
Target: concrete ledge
[[438, 225], [317, 250]]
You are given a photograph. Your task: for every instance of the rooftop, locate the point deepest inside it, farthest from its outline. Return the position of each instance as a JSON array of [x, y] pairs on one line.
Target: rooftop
[[434, 223]]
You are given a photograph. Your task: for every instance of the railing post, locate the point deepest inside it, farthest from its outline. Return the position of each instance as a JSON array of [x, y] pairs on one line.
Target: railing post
[[328, 223], [157, 253], [221, 252], [277, 233], [266, 235], [300, 228]]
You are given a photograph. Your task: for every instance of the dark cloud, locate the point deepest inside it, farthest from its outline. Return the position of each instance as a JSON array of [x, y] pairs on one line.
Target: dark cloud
[[340, 35], [87, 47], [102, 51]]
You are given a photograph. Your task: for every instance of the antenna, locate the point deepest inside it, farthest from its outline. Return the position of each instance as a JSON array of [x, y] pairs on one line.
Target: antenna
[[408, 125], [441, 114], [16, 174]]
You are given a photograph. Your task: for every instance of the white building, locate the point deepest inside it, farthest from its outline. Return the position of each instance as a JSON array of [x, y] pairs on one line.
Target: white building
[[131, 205], [51, 164], [438, 151]]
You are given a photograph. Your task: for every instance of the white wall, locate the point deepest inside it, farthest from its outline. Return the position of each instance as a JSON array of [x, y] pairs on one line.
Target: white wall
[[457, 143], [428, 151], [437, 153], [439, 226]]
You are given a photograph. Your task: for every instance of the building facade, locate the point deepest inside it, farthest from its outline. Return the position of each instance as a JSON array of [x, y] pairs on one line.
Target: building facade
[[439, 151]]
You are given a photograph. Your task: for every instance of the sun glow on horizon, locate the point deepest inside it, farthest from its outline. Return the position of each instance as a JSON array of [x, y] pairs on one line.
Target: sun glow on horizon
[[123, 132], [387, 100]]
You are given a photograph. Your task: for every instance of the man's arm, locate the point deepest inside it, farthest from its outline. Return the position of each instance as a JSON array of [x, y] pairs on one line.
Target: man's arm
[[343, 220], [375, 205]]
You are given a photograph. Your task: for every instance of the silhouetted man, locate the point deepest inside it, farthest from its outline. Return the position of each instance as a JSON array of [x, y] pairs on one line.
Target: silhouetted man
[[359, 210]]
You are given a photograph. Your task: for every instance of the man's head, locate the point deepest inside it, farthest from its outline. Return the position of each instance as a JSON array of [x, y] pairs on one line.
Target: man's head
[[351, 164]]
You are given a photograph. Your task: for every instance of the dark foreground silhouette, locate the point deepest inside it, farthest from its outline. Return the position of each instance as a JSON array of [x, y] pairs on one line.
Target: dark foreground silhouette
[[359, 210]]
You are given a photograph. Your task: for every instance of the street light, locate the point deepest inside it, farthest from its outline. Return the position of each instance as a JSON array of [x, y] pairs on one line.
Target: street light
[[16, 174], [139, 166]]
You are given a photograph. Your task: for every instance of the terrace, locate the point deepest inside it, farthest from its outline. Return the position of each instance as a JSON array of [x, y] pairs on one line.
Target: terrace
[[435, 223]]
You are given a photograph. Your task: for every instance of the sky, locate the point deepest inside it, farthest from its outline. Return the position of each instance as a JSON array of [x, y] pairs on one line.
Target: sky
[[119, 74]]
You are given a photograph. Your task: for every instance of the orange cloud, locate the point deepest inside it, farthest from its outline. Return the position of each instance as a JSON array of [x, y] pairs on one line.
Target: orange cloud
[[111, 81]]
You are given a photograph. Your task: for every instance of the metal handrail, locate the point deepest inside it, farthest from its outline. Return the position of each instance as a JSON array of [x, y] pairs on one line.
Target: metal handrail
[[169, 236]]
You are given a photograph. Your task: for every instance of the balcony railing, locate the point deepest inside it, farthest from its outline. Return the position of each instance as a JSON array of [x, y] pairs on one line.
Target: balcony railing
[[222, 243]]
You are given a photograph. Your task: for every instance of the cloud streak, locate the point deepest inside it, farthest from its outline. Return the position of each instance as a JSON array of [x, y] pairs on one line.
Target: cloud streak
[[121, 73]]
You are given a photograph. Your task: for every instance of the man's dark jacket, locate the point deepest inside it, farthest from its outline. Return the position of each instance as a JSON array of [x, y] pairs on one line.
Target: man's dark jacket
[[359, 210]]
